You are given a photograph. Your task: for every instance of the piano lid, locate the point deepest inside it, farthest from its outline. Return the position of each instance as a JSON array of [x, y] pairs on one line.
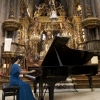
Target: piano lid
[[59, 54]]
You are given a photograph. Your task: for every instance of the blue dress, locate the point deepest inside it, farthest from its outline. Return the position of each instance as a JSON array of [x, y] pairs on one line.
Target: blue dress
[[25, 92]]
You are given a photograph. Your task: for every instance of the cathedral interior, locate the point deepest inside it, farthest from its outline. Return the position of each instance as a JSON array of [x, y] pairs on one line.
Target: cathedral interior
[[29, 26]]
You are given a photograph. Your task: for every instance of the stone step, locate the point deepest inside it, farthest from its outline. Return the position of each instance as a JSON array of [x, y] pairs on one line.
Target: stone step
[[79, 81], [85, 85], [85, 80], [84, 76]]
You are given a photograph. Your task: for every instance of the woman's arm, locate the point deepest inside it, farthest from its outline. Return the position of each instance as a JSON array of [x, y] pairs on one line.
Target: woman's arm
[[27, 72]]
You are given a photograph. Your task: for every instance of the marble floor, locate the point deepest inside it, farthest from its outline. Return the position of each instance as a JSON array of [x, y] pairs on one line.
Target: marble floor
[[82, 94]]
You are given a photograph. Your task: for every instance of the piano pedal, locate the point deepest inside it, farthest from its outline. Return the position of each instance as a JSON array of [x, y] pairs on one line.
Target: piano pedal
[[40, 98], [92, 90], [69, 76], [36, 94]]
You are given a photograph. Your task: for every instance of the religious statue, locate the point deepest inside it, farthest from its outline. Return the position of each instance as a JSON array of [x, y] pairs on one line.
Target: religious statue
[[39, 8], [61, 10]]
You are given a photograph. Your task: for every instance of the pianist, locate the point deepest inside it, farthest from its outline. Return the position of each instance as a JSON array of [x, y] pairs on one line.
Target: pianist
[[25, 92]]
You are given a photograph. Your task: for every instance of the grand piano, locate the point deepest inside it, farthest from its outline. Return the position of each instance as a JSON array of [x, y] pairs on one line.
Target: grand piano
[[61, 62]]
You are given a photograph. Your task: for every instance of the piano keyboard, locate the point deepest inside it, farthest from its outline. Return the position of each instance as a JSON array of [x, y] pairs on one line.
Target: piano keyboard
[[31, 77]]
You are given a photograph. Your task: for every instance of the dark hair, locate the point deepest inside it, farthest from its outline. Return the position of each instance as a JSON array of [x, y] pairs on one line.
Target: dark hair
[[18, 57]]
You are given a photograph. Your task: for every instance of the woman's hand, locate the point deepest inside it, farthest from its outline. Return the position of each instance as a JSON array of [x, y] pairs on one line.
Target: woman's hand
[[27, 72], [32, 71]]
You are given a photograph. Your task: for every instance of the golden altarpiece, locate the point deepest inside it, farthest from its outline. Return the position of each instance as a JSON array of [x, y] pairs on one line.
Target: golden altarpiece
[[37, 28]]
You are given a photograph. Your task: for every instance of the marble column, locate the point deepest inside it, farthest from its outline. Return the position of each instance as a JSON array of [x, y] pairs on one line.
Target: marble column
[[0, 7], [97, 33], [97, 11], [85, 6], [16, 15], [97, 6], [3, 16], [8, 9], [93, 8]]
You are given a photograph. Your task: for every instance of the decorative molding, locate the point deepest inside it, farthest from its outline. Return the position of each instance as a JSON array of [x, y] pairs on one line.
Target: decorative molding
[[11, 24], [90, 22]]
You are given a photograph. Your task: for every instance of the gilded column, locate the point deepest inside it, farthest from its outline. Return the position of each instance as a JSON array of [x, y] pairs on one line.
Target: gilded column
[[69, 7], [83, 8], [31, 8], [78, 30]]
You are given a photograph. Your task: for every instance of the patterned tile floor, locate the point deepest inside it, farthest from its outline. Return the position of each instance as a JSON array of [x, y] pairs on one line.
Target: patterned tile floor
[[82, 94]]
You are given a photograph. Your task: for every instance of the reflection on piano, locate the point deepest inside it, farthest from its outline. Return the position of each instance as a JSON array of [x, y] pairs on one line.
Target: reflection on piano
[[61, 62]]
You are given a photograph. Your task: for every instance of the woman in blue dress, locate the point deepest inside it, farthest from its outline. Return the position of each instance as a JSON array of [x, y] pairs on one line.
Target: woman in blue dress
[[25, 92]]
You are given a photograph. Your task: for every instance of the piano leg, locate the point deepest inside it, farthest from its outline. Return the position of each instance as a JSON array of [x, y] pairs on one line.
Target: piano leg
[[35, 88], [90, 82], [40, 91], [51, 92]]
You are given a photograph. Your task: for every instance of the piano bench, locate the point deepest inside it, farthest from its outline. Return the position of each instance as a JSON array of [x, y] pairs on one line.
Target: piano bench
[[8, 90]]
